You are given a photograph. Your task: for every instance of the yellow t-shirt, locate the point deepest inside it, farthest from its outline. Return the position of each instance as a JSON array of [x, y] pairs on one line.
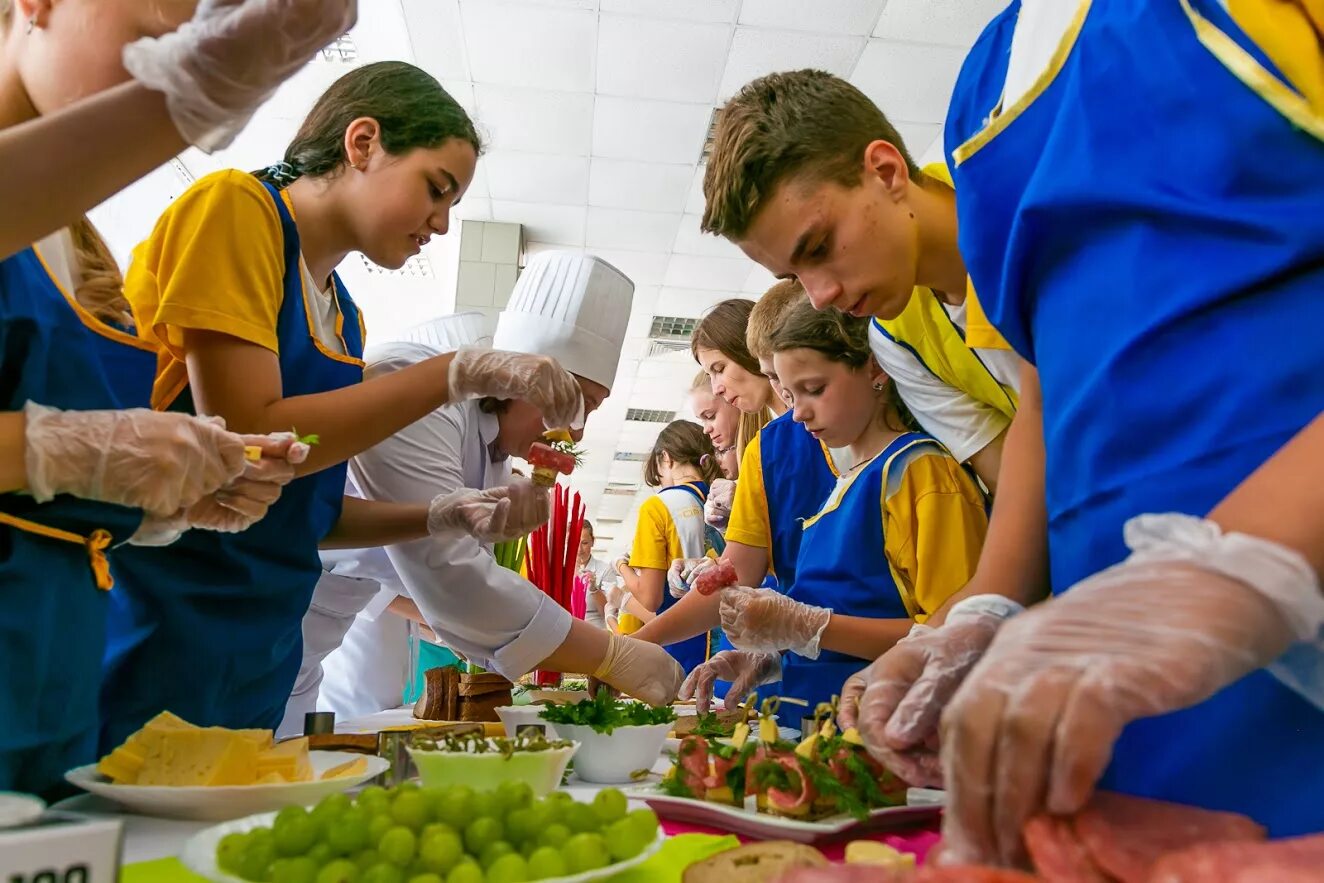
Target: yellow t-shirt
[[1291, 33], [656, 543], [749, 523]]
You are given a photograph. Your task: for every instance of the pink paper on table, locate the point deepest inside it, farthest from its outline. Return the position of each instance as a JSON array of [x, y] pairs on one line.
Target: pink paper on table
[[916, 840]]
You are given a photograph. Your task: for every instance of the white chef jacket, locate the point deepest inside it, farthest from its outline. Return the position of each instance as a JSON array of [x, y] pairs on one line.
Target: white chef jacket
[[604, 577]]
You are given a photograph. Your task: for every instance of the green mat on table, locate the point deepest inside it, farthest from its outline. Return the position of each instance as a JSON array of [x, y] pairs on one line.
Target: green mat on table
[[665, 867]]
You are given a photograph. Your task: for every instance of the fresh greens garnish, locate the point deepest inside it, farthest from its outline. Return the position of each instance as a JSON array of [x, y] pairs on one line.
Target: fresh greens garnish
[[311, 439], [605, 714], [711, 725]]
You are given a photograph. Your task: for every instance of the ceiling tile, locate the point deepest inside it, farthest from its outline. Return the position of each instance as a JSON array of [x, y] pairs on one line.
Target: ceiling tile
[[645, 268], [934, 153], [463, 92], [713, 274], [758, 281], [695, 203], [918, 136], [689, 10], [535, 120], [688, 302], [756, 52], [473, 208], [691, 240], [517, 44], [436, 35], [652, 187], [946, 22], [666, 60], [909, 82], [635, 231], [550, 224], [536, 177], [650, 131], [852, 17]]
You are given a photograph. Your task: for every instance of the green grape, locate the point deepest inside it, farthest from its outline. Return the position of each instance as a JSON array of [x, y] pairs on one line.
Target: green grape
[[405, 787], [485, 804], [383, 872], [398, 846], [624, 840], [411, 810], [378, 825], [230, 850], [580, 818], [330, 807], [493, 851], [321, 854], [257, 858], [294, 870], [514, 795], [546, 862], [480, 832], [436, 796], [426, 878], [585, 852], [528, 848], [645, 822], [457, 810], [294, 831], [348, 833], [610, 805], [367, 859], [558, 798], [522, 826], [554, 835], [465, 872], [373, 799], [509, 868], [432, 828], [342, 870], [544, 813], [441, 850]]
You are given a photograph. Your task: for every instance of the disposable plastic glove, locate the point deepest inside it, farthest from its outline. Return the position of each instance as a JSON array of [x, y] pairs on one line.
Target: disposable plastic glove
[[160, 462], [896, 702], [717, 508], [745, 670], [681, 571], [769, 622], [238, 505], [493, 515], [1032, 727], [476, 373], [617, 596], [640, 669], [218, 68]]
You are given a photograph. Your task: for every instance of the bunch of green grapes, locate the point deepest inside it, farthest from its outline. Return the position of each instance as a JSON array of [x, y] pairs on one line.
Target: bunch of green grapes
[[454, 834]]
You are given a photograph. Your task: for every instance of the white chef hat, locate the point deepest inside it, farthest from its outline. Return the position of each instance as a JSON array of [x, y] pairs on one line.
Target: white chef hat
[[573, 307], [444, 334]]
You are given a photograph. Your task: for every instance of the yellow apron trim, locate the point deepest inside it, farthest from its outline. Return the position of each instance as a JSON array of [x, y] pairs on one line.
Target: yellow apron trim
[[1001, 120], [92, 322], [1293, 106], [96, 544], [308, 314]]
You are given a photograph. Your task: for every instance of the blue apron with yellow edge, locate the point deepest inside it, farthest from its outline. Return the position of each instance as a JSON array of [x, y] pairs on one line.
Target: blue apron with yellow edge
[[694, 651], [1160, 260], [843, 566], [210, 627], [54, 577]]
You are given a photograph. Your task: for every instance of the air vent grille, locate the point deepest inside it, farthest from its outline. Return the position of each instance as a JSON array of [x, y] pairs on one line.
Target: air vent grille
[[646, 415]]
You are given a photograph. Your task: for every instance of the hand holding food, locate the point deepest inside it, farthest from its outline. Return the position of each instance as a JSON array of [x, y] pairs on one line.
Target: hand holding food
[[709, 579], [682, 571], [767, 621], [476, 372], [747, 671], [493, 515], [639, 669]]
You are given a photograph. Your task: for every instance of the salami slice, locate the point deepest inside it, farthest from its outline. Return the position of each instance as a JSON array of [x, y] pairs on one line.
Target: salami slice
[[713, 579], [1058, 856], [1297, 860], [1125, 836]]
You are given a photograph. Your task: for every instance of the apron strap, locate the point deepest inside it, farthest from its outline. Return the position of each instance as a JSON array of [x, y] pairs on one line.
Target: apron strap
[[96, 544]]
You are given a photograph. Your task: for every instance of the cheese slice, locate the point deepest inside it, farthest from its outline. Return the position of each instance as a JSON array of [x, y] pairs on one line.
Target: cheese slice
[[208, 756], [356, 767], [287, 759], [123, 765]]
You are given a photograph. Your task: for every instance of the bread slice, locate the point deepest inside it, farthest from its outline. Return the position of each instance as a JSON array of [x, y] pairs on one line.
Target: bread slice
[[754, 863]]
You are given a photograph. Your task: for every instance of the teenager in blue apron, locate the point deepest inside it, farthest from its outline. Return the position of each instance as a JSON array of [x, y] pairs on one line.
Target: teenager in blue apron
[[896, 537], [256, 327], [1157, 261]]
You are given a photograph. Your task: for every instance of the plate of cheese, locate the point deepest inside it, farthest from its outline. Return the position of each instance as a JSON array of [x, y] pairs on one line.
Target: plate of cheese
[[174, 769]]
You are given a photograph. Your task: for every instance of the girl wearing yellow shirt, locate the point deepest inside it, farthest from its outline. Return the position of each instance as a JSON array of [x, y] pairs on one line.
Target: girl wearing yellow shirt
[[236, 285], [900, 532]]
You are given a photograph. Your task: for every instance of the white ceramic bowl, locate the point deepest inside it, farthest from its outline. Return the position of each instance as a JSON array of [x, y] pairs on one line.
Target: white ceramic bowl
[[609, 759], [516, 716], [543, 770]]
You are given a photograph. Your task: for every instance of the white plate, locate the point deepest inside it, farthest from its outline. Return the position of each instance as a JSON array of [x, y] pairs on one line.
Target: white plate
[[19, 809], [673, 744], [751, 823], [227, 801], [199, 854]]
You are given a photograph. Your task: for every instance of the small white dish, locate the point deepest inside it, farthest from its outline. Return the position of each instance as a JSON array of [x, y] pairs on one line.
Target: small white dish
[[515, 716], [484, 771], [19, 809], [612, 758]]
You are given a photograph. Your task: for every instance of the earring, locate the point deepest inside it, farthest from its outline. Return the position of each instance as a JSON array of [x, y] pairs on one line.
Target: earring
[[879, 387], [32, 25]]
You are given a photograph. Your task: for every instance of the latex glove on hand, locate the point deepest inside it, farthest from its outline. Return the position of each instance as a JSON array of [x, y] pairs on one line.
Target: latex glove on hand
[[680, 573], [745, 670], [1033, 726], [218, 68], [239, 504], [717, 508], [639, 669], [767, 621], [160, 462], [896, 702], [493, 515], [477, 372]]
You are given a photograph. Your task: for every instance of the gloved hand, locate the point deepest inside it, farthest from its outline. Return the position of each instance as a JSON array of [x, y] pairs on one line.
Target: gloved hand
[[477, 372], [717, 508], [769, 622], [238, 505], [493, 515], [157, 461], [896, 702], [1033, 726], [682, 570], [218, 68], [745, 670], [617, 596], [640, 669]]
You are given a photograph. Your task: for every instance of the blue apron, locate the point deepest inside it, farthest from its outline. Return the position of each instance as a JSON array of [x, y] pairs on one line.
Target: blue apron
[[843, 567], [210, 627], [1160, 259], [695, 651], [53, 589]]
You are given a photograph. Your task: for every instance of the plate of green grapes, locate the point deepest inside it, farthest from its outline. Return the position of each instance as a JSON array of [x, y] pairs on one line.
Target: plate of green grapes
[[453, 834]]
